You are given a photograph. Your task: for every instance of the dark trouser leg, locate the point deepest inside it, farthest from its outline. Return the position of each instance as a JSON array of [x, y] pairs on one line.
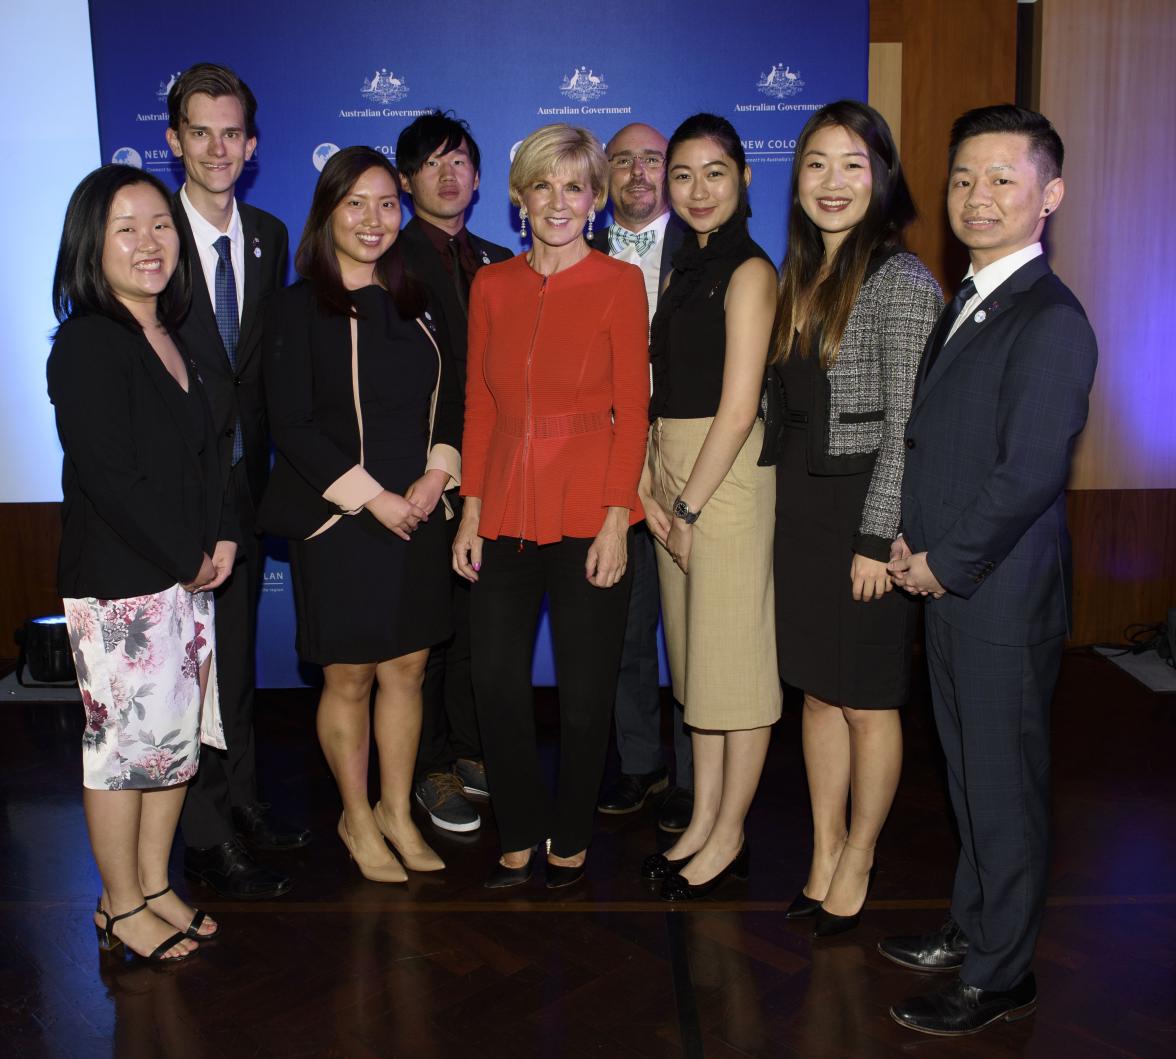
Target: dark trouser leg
[[638, 715], [464, 738], [587, 631], [229, 777], [504, 614], [449, 722], [992, 708]]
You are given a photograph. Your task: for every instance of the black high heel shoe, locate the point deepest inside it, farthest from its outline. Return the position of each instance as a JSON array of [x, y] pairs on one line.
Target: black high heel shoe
[[676, 888], [561, 875], [193, 929], [659, 866], [827, 924], [502, 877], [802, 906], [110, 945]]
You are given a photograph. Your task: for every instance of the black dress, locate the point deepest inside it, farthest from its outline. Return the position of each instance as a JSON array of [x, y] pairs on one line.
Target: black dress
[[842, 651], [362, 593]]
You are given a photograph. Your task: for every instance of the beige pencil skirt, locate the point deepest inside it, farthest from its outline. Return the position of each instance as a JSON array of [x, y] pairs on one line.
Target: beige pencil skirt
[[720, 619]]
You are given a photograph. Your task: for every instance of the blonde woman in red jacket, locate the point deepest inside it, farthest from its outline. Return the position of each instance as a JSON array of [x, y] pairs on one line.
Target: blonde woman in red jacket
[[556, 423]]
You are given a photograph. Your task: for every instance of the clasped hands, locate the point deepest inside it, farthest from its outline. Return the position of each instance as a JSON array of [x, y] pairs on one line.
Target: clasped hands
[[911, 573], [403, 514]]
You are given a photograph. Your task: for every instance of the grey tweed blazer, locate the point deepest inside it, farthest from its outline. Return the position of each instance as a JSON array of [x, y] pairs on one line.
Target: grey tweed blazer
[[872, 382]]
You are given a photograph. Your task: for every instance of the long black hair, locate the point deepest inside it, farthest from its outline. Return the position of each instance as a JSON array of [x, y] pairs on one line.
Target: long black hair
[[80, 287], [315, 259], [890, 210]]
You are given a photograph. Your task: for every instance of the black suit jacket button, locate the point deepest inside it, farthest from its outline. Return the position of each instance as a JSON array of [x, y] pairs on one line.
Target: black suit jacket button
[[229, 432], [909, 442], [236, 382]]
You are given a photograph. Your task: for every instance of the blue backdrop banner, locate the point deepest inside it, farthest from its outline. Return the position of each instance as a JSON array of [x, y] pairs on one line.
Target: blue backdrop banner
[[357, 71]]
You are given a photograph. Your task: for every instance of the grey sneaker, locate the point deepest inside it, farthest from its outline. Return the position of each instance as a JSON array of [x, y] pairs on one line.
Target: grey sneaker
[[471, 774], [439, 794]]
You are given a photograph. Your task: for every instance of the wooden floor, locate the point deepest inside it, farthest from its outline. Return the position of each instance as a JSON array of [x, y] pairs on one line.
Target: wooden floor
[[441, 967]]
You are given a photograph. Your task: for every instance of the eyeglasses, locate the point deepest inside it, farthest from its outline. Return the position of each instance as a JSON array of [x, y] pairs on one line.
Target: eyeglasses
[[648, 161]]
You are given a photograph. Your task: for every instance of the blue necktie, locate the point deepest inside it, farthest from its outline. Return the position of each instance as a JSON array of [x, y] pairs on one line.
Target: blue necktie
[[962, 297], [226, 321], [619, 238]]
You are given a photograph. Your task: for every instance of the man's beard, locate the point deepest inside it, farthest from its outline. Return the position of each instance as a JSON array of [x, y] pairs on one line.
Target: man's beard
[[642, 210]]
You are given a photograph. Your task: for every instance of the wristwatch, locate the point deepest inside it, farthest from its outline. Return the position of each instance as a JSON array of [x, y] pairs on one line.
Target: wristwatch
[[682, 511]]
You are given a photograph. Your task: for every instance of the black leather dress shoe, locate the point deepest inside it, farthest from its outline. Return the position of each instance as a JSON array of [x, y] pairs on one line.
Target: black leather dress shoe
[[961, 1009], [676, 810], [675, 888], [502, 877], [232, 873], [659, 866], [628, 792], [802, 906], [944, 950], [258, 828]]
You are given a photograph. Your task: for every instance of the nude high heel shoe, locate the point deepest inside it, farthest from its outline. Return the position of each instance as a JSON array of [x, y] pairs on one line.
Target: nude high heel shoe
[[426, 861], [384, 873]]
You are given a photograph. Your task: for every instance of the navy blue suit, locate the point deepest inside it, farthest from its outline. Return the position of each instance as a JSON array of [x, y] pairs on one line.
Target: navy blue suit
[[989, 442], [228, 778]]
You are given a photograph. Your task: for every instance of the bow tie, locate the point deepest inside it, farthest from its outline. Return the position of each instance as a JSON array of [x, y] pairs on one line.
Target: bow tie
[[619, 238]]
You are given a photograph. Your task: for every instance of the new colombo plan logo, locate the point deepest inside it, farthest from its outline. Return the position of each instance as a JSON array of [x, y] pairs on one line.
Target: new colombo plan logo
[[127, 156], [583, 84], [384, 87], [322, 153], [780, 82]]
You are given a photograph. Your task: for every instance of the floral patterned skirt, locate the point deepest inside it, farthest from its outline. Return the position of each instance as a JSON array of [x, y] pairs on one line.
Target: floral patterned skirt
[[138, 663]]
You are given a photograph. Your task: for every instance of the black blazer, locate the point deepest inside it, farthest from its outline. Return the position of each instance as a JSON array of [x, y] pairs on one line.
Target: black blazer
[[311, 406], [232, 393], [675, 232], [424, 264], [988, 453], [143, 502]]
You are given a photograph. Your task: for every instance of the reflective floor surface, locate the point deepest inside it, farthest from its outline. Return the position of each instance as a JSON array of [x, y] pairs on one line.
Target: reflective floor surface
[[441, 967]]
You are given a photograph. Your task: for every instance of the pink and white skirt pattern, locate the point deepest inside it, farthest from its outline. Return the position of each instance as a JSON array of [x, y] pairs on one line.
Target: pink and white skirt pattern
[[138, 663]]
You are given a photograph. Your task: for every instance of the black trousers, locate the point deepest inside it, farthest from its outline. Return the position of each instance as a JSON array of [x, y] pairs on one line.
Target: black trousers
[[229, 777], [992, 707], [449, 722], [587, 630]]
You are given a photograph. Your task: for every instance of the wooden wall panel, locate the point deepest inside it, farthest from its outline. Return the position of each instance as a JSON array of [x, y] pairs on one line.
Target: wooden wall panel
[[29, 538], [1124, 559], [1107, 84], [954, 57], [886, 85]]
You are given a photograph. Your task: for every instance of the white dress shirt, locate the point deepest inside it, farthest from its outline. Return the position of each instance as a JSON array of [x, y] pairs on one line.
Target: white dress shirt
[[650, 261], [206, 236], [989, 278]]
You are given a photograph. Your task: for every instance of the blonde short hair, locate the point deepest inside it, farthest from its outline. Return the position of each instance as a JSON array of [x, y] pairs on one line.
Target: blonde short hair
[[556, 147]]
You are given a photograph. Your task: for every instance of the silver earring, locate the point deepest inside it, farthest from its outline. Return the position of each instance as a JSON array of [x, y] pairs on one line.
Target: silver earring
[[522, 222], [591, 218]]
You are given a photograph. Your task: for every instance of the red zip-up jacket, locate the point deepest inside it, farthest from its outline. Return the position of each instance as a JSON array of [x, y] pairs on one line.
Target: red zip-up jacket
[[557, 397]]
